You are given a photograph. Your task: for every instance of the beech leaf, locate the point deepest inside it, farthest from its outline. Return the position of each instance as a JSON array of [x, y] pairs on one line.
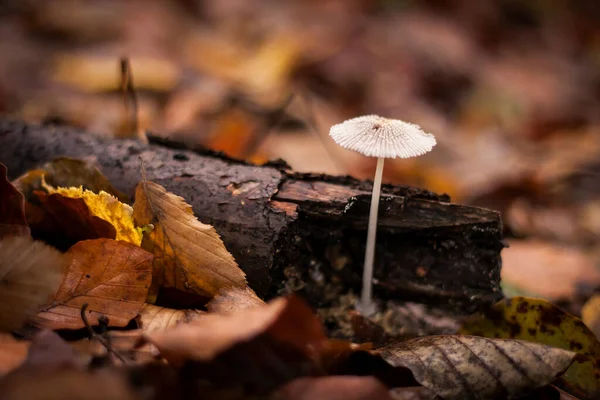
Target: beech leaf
[[188, 255], [113, 277], [471, 367], [30, 273]]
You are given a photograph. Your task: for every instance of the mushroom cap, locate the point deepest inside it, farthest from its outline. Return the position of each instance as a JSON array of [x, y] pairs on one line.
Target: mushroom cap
[[376, 136]]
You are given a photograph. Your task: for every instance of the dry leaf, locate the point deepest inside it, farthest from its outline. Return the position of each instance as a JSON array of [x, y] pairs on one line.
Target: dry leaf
[[470, 367], [30, 273], [109, 209], [72, 218], [287, 321], [234, 299], [113, 277], [12, 353], [153, 318], [334, 388], [12, 208], [188, 255]]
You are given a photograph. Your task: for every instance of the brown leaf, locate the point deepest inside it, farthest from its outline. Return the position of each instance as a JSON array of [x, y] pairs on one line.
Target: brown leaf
[[112, 276], [12, 353], [30, 273], [153, 318], [470, 367], [188, 255], [72, 217], [234, 299], [334, 388], [12, 208], [288, 321]]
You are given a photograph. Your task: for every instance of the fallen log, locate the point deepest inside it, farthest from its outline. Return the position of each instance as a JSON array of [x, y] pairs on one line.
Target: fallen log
[[298, 232]]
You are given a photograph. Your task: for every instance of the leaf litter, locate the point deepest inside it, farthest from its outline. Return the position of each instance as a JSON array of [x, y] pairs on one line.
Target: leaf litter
[[240, 347]]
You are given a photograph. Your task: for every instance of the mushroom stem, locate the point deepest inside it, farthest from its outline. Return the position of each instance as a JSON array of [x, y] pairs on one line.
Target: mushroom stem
[[366, 305]]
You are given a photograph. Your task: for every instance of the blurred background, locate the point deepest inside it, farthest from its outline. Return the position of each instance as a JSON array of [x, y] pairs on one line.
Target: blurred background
[[511, 89]]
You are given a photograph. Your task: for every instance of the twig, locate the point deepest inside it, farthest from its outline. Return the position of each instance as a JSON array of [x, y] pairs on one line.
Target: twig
[[129, 96], [94, 335]]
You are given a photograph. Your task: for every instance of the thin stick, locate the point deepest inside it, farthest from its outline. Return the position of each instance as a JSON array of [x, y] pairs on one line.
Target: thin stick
[[99, 338], [366, 305]]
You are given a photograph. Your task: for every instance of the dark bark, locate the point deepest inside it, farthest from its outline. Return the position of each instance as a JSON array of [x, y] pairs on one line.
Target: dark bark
[[301, 232]]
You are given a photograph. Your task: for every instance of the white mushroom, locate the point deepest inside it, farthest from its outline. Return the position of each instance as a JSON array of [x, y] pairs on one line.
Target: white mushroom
[[375, 136]]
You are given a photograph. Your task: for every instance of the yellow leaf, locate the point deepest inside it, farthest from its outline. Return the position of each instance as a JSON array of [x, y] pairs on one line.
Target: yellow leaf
[[539, 321], [188, 255]]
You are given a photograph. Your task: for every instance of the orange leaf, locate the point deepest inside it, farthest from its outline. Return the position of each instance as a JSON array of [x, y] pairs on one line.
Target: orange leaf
[[113, 277], [12, 208]]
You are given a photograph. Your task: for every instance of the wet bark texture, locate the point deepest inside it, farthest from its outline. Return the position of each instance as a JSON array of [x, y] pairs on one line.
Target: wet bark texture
[[298, 232]]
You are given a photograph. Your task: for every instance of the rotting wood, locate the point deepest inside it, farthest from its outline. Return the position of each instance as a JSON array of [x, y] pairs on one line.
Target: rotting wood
[[301, 232]]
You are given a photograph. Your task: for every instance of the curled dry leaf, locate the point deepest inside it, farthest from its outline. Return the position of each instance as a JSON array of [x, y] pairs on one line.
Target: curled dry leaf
[[153, 318], [334, 388], [12, 208], [285, 321], [470, 367], [539, 321], [30, 273], [234, 299], [188, 255], [72, 218], [113, 277]]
